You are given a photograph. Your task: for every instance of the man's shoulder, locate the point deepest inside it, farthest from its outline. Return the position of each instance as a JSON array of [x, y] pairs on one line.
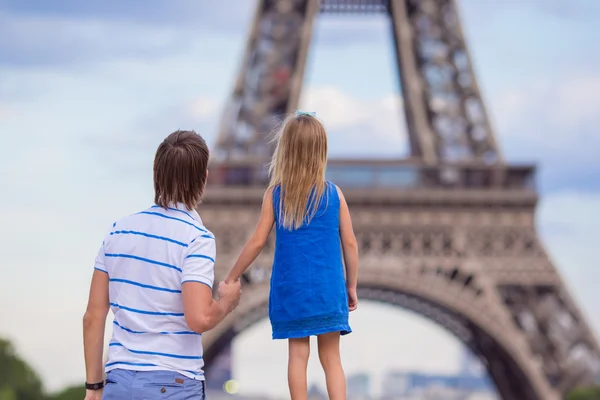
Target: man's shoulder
[[129, 219], [204, 236], [149, 221]]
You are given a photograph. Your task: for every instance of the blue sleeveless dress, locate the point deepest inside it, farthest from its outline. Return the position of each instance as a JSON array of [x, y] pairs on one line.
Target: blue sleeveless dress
[[308, 288]]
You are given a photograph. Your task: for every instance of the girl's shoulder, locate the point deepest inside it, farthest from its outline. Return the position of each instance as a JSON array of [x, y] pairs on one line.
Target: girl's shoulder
[[272, 195], [272, 190], [333, 187], [333, 194]]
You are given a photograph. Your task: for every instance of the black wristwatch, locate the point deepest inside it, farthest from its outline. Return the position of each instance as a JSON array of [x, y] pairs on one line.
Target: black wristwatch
[[94, 386]]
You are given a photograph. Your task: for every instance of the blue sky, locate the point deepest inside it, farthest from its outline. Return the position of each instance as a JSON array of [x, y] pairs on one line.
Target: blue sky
[[88, 90]]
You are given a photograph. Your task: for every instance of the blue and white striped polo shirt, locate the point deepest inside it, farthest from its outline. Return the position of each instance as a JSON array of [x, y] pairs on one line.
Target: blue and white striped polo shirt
[[147, 257]]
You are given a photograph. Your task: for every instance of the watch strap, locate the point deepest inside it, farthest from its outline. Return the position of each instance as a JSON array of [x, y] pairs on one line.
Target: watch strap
[[94, 386]]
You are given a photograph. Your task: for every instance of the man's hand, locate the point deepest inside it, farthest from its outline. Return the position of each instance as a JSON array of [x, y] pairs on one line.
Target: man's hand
[[352, 299], [93, 394], [230, 292]]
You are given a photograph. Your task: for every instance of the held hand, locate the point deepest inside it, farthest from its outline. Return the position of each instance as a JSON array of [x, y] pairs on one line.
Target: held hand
[[93, 394], [352, 300], [233, 289], [230, 292]]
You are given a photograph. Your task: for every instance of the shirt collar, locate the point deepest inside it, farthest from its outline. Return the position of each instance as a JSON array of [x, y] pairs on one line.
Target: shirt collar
[[192, 213]]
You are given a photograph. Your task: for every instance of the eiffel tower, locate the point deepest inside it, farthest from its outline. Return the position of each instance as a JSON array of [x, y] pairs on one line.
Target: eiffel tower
[[448, 232]]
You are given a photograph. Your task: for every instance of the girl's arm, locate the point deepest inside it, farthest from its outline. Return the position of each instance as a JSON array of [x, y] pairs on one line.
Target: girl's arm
[[257, 241], [350, 249]]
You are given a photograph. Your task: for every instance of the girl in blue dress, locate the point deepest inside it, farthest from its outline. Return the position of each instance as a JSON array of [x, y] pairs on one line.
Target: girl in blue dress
[[310, 294]]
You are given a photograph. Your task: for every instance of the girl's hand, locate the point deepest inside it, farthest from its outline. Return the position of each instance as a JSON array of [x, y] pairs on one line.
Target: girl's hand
[[352, 299], [229, 294], [232, 290]]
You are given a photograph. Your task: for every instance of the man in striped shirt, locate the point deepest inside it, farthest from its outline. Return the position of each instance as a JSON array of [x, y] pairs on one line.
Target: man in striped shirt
[[155, 271]]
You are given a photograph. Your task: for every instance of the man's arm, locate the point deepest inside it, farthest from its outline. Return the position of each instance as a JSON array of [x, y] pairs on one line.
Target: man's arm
[[201, 311], [94, 322]]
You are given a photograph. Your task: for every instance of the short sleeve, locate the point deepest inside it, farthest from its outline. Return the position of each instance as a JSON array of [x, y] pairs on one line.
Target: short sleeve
[[99, 263], [199, 261]]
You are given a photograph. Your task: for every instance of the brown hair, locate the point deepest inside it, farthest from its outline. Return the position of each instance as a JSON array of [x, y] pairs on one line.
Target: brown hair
[[298, 167], [180, 168]]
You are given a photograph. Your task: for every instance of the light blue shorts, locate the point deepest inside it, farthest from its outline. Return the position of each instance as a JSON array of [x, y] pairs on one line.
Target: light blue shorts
[[123, 384]]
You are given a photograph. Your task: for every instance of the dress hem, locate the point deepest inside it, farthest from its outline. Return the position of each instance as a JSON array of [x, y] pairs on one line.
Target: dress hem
[[343, 329]]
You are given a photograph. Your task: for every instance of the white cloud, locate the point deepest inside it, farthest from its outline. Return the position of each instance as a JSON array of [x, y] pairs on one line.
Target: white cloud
[[202, 108], [359, 127], [550, 114], [335, 108]]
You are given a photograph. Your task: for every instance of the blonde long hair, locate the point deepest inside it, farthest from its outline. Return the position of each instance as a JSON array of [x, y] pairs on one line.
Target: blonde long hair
[[298, 167]]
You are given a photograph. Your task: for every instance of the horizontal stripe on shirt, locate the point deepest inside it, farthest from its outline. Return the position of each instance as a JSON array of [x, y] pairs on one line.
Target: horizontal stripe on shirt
[[148, 235], [200, 256], [128, 282], [203, 236], [135, 310], [161, 333], [162, 264], [153, 353], [131, 363]]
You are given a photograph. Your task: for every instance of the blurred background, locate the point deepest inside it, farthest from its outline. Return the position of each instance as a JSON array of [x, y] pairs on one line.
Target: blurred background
[[89, 89]]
